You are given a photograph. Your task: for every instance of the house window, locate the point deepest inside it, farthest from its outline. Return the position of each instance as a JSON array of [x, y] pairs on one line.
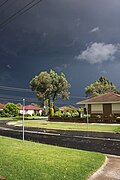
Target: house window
[[116, 108], [96, 108]]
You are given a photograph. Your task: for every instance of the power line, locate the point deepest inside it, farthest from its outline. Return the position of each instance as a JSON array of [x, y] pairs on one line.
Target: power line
[[17, 100], [19, 13], [16, 97], [15, 89], [3, 3], [78, 97], [30, 91], [13, 100], [9, 5]]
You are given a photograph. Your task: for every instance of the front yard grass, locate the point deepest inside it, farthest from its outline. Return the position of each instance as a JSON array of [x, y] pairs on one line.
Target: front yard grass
[[70, 126], [33, 161], [20, 117]]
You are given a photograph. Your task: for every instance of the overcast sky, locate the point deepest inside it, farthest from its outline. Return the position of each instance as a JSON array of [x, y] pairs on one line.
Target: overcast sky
[[79, 38]]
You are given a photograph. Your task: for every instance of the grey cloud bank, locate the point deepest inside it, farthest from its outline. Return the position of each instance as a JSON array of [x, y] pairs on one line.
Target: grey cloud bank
[[53, 33]]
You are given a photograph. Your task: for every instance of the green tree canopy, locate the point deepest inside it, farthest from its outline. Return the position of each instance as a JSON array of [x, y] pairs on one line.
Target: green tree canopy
[[49, 86], [101, 86], [11, 109]]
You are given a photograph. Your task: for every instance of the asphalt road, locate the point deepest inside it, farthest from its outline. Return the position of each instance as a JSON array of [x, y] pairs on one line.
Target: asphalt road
[[63, 138]]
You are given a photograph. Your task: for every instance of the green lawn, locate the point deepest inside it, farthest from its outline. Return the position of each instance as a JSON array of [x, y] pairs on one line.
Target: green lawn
[[71, 126], [6, 118], [20, 117], [33, 161]]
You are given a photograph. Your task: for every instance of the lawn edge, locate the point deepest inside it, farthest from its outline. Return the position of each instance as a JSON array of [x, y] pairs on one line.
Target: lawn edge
[[99, 170]]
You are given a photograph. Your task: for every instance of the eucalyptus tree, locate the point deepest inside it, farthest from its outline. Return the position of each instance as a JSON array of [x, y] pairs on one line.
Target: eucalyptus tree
[[49, 86], [100, 86]]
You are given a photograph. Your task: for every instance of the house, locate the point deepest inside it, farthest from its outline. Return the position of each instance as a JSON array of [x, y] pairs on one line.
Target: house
[[1, 106], [30, 109], [107, 105]]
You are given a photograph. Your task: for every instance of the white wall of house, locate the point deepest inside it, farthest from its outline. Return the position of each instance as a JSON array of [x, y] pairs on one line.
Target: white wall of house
[[30, 112], [96, 108]]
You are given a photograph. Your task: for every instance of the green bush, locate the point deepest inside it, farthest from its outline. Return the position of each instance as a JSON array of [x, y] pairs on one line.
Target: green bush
[[38, 114], [81, 109], [56, 109], [64, 113], [58, 114], [27, 115], [4, 114], [11, 109], [75, 113], [68, 114], [51, 112], [33, 114]]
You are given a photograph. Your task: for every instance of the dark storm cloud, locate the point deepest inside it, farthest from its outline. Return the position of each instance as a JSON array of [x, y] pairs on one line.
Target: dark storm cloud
[[52, 34]]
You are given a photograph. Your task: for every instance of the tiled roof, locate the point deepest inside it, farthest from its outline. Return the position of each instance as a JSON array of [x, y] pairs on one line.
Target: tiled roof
[[1, 106], [66, 108], [104, 98], [31, 107]]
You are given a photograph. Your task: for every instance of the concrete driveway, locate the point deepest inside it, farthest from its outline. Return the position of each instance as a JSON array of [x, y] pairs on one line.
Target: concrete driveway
[[109, 171]]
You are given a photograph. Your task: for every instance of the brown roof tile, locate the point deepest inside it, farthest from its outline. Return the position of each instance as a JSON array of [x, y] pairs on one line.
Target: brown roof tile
[[104, 98], [31, 107], [67, 108], [1, 106]]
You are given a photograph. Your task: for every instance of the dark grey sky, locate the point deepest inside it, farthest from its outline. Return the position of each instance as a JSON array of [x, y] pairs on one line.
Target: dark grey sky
[[79, 38]]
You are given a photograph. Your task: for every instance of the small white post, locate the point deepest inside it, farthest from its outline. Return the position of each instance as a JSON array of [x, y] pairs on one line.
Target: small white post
[[23, 119], [87, 115]]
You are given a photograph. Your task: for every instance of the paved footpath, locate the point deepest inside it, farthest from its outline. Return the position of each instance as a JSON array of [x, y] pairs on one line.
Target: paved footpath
[[109, 171]]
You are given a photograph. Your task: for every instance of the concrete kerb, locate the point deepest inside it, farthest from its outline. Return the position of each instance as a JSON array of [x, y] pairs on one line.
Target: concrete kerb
[[94, 134]]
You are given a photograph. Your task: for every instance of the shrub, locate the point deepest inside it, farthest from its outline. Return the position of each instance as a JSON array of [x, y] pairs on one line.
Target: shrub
[[75, 113], [33, 114], [56, 108], [11, 109], [27, 115], [51, 112], [58, 113], [68, 114], [64, 113], [4, 114], [38, 114], [81, 109]]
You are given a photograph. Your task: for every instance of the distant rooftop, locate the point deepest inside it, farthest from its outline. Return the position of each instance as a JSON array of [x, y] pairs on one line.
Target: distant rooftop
[[1, 106], [67, 108], [31, 107]]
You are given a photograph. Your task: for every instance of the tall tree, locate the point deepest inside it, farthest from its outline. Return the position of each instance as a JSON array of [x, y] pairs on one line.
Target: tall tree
[[49, 86], [101, 86]]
